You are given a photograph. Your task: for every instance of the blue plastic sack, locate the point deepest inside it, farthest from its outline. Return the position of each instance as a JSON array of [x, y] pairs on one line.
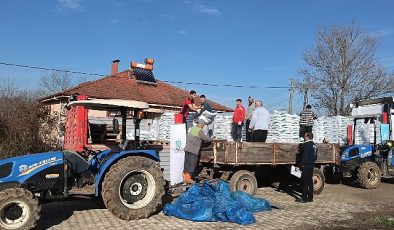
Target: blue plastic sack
[[216, 202]]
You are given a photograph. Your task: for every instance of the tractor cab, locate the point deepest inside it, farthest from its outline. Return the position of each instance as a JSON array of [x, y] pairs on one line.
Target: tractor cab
[[83, 158], [77, 124]]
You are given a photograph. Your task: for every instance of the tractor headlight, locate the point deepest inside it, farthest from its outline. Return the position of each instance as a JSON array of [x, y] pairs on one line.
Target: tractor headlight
[[344, 155]]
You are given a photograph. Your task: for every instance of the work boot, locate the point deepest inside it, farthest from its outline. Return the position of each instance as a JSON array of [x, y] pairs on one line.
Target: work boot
[[184, 176], [188, 179]]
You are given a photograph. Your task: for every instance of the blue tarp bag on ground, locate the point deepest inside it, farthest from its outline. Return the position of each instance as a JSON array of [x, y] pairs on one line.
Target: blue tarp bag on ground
[[216, 202]]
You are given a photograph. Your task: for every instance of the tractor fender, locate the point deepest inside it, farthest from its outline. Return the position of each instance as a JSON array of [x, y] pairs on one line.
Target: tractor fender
[[103, 169], [11, 184]]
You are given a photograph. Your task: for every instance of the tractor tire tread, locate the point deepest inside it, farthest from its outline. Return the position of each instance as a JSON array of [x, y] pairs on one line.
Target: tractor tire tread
[[30, 199], [362, 175], [110, 188]]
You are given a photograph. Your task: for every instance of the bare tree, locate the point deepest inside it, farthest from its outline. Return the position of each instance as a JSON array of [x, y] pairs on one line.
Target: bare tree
[[55, 82], [25, 125], [341, 68]]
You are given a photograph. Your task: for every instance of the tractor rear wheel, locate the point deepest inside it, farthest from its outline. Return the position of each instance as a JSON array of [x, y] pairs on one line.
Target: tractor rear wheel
[[133, 188], [244, 181], [368, 175], [19, 209]]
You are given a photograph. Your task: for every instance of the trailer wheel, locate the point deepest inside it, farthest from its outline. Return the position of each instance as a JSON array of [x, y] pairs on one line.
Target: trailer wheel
[[318, 181], [19, 209], [368, 175], [133, 188], [244, 181]]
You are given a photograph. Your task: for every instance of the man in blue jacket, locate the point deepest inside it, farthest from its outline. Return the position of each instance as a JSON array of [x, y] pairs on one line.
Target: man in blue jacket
[[307, 165]]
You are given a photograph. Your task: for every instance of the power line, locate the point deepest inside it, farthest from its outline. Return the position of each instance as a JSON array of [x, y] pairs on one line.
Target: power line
[[172, 82], [50, 69]]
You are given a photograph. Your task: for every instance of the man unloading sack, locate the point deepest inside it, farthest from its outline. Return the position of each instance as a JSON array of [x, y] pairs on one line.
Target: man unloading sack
[[188, 106], [192, 150]]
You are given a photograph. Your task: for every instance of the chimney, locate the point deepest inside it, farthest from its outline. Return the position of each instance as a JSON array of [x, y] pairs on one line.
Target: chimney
[[115, 67]]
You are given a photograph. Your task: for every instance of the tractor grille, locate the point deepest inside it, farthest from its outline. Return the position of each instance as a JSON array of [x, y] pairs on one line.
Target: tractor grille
[[5, 170], [46, 184]]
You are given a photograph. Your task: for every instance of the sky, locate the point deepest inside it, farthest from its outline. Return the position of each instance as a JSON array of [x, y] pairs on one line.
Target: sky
[[251, 43]]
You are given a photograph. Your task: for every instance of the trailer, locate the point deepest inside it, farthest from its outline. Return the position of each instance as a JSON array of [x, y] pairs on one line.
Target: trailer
[[244, 164]]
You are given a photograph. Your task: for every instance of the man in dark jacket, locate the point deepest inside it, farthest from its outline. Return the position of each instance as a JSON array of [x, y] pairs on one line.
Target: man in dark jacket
[[307, 165]]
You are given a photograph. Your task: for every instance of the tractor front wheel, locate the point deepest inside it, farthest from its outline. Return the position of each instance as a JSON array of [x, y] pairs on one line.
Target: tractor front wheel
[[133, 188], [19, 209], [368, 175]]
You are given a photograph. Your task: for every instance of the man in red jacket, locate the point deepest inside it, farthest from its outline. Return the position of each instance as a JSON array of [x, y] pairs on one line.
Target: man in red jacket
[[238, 120]]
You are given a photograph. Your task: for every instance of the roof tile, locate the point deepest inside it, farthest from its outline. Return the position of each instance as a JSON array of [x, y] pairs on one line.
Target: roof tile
[[122, 86]]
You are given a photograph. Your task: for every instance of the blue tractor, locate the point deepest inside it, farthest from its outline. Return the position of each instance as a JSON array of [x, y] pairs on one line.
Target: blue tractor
[[369, 162], [130, 182]]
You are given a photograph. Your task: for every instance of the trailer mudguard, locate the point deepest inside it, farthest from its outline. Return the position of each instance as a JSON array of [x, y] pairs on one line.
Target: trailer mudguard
[[106, 165]]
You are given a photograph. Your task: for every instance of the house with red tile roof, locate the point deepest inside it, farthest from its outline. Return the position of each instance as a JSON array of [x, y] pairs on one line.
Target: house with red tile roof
[[138, 83], [128, 85]]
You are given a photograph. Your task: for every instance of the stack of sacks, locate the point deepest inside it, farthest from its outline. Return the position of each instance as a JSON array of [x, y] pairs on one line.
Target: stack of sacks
[[364, 133], [284, 128], [165, 122], [222, 126], [325, 128], [154, 129], [319, 130], [343, 123], [146, 133], [331, 129]]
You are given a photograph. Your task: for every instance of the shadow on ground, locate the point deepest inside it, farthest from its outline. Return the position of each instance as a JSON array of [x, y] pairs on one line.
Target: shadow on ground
[[55, 213]]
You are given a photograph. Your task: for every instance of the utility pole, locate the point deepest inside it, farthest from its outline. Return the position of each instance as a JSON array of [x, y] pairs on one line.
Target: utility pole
[[305, 98], [291, 96]]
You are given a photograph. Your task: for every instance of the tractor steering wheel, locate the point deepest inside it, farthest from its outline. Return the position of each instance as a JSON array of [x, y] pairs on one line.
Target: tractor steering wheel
[[89, 151]]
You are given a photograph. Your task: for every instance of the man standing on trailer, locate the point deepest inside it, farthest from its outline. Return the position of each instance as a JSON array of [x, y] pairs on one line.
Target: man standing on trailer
[[192, 150], [307, 165], [259, 123], [188, 105], [249, 114], [306, 120], [238, 119], [205, 106]]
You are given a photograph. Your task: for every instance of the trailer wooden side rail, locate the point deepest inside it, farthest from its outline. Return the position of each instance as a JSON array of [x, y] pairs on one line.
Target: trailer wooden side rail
[[252, 153]]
